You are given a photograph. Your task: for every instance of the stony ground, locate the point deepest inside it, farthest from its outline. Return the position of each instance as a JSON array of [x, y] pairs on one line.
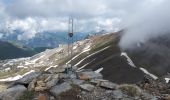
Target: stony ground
[[63, 84]]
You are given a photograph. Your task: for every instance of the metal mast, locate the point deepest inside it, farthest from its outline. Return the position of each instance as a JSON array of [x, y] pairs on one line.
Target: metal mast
[[70, 39]]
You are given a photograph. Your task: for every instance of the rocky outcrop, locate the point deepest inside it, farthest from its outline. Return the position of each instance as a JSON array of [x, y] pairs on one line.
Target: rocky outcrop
[[13, 93], [81, 85], [28, 78], [58, 89]]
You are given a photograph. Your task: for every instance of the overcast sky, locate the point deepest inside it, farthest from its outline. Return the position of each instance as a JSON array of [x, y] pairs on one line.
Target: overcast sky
[[33, 16]]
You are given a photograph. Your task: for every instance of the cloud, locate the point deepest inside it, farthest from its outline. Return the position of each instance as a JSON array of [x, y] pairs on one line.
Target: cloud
[[35, 16], [152, 20]]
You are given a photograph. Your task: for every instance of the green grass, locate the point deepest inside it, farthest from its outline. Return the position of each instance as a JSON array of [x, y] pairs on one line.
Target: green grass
[[27, 95]]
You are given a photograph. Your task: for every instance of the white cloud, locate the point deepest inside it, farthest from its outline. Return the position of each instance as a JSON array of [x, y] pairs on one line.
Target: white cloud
[[34, 16], [150, 21]]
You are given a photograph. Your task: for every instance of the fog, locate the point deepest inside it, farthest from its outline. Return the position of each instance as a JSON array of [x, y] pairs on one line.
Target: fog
[[149, 21]]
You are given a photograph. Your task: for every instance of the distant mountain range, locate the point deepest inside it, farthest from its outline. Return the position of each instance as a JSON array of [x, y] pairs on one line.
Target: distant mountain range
[[44, 39], [11, 47]]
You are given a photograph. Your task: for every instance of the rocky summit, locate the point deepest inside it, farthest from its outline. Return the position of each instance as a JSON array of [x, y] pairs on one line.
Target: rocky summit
[[97, 70]]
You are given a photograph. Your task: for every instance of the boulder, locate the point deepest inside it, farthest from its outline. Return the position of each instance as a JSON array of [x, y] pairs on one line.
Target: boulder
[[56, 70], [13, 93], [117, 94], [8, 97], [97, 81], [87, 87], [41, 83], [77, 81], [58, 89], [31, 85], [63, 76], [108, 85], [52, 83], [40, 88], [28, 78]]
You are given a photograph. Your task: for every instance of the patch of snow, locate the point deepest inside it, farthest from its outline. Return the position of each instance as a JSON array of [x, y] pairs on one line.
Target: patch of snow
[[10, 79], [74, 47], [91, 55], [167, 80], [29, 72], [86, 49], [21, 67], [35, 60], [99, 70], [130, 62], [146, 72], [50, 67], [27, 63], [7, 69], [82, 67]]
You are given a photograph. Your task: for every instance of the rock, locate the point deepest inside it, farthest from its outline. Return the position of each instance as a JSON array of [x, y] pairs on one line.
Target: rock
[[87, 87], [77, 82], [117, 94], [40, 88], [166, 97], [48, 79], [14, 92], [63, 76], [51, 83], [31, 85], [28, 78], [8, 97], [58, 89], [56, 70], [45, 77], [41, 83], [147, 96], [90, 75], [109, 85], [97, 81]]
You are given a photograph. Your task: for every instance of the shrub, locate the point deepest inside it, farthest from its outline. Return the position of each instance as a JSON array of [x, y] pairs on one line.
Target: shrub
[[131, 90]]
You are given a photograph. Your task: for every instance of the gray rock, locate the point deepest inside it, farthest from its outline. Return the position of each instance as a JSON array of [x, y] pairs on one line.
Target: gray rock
[[63, 76], [28, 78], [117, 94], [56, 70], [109, 85], [148, 96], [97, 81], [77, 82], [87, 87], [13, 93], [58, 89], [8, 97], [51, 83]]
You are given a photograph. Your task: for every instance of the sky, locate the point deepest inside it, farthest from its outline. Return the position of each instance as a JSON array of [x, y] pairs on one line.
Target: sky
[[36, 16]]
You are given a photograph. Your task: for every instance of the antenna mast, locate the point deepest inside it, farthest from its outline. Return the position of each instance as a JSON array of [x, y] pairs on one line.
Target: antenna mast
[[70, 39]]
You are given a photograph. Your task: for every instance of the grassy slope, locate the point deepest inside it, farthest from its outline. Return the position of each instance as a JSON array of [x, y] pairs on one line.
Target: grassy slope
[[9, 51]]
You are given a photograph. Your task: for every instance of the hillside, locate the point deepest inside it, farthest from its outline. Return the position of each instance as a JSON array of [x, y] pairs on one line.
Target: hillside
[[97, 52], [98, 66], [10, 51]]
